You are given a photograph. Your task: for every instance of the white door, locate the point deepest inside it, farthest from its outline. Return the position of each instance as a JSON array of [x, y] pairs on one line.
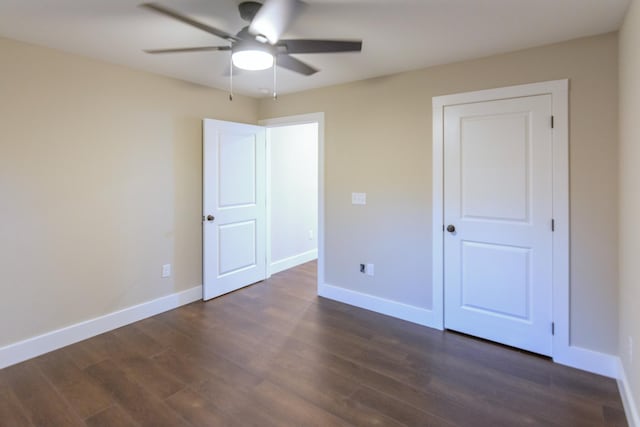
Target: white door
[[498, 197], [234, 226]]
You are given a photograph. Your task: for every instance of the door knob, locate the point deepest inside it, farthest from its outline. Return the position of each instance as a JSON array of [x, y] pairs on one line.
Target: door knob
[[451, 228], [210, 217]]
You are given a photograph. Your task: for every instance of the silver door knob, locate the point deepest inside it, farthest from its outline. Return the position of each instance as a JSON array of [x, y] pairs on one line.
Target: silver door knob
[[210, 218], [451, 228]]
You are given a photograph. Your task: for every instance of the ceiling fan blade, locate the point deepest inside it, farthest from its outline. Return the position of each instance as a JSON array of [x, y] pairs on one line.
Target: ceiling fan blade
[[188, 49], [290, 63], [182, 18], [320, 46], [274, 17]]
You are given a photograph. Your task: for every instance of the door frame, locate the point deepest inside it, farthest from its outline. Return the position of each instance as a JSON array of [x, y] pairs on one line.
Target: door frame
[[299, 119], [559, 91]]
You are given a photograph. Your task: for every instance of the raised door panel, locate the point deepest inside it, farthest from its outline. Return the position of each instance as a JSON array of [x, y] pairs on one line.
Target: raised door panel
[[495, 167], [503, 291], [237, 169]]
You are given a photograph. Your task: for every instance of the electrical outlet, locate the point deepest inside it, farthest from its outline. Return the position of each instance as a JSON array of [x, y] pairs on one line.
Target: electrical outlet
[[166, 270], [366, 269], [310, 234], [369, 270]]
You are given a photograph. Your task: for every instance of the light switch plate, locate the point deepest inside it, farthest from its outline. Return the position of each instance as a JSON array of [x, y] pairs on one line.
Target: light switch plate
[[166, 270], [358, 198]]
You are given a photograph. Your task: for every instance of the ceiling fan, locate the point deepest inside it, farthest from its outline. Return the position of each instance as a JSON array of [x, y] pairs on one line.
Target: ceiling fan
[[258, 46]]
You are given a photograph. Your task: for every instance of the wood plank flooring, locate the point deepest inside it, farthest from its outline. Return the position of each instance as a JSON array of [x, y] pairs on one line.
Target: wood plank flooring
[[274, 354]]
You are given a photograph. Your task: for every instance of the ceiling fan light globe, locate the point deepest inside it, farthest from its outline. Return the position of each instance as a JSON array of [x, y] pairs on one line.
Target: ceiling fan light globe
[[252, 60]]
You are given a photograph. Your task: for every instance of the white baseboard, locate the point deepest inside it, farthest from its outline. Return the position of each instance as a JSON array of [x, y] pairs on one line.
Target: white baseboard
[[407, 312], [41, 344], [588, 360], [292, 261], [629, 403]]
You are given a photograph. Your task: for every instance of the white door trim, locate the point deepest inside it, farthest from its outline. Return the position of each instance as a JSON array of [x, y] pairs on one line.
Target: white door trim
[[289, 121], [559, 91]]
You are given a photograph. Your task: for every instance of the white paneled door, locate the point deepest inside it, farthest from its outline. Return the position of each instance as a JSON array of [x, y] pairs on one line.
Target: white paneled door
[[234, 216], [498, 221]]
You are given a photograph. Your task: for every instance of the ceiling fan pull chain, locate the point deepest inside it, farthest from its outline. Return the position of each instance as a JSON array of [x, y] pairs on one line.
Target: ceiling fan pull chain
[[230, 79], [275, 93]]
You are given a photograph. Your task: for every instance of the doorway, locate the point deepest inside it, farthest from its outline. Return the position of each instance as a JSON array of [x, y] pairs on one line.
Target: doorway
[[282, 252], [292, 196], [236, 227], [500, 221]]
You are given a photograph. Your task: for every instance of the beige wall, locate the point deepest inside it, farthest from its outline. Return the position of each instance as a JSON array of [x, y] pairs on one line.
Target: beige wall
[[100, 184], [629, 230], [378, 140], [100, 180]]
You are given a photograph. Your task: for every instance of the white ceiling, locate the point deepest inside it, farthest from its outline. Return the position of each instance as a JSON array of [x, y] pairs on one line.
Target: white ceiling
[[398, 35]]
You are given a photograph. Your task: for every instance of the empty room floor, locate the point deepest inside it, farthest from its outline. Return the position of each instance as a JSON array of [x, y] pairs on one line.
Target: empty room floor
[[275, 354]]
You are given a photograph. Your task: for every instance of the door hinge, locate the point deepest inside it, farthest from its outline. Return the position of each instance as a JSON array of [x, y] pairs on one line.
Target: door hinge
[[553, 328], [552, 122], [443, 227], [202, 218], [553, 224]]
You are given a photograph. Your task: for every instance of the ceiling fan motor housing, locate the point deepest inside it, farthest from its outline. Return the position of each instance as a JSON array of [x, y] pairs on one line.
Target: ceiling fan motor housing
[[251, 44]]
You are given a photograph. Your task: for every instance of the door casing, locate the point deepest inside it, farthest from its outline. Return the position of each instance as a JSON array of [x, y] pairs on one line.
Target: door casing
[[559, 91]]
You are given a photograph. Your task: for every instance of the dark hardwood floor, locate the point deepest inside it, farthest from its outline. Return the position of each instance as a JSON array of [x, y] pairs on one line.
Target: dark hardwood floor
[[274, 354]]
